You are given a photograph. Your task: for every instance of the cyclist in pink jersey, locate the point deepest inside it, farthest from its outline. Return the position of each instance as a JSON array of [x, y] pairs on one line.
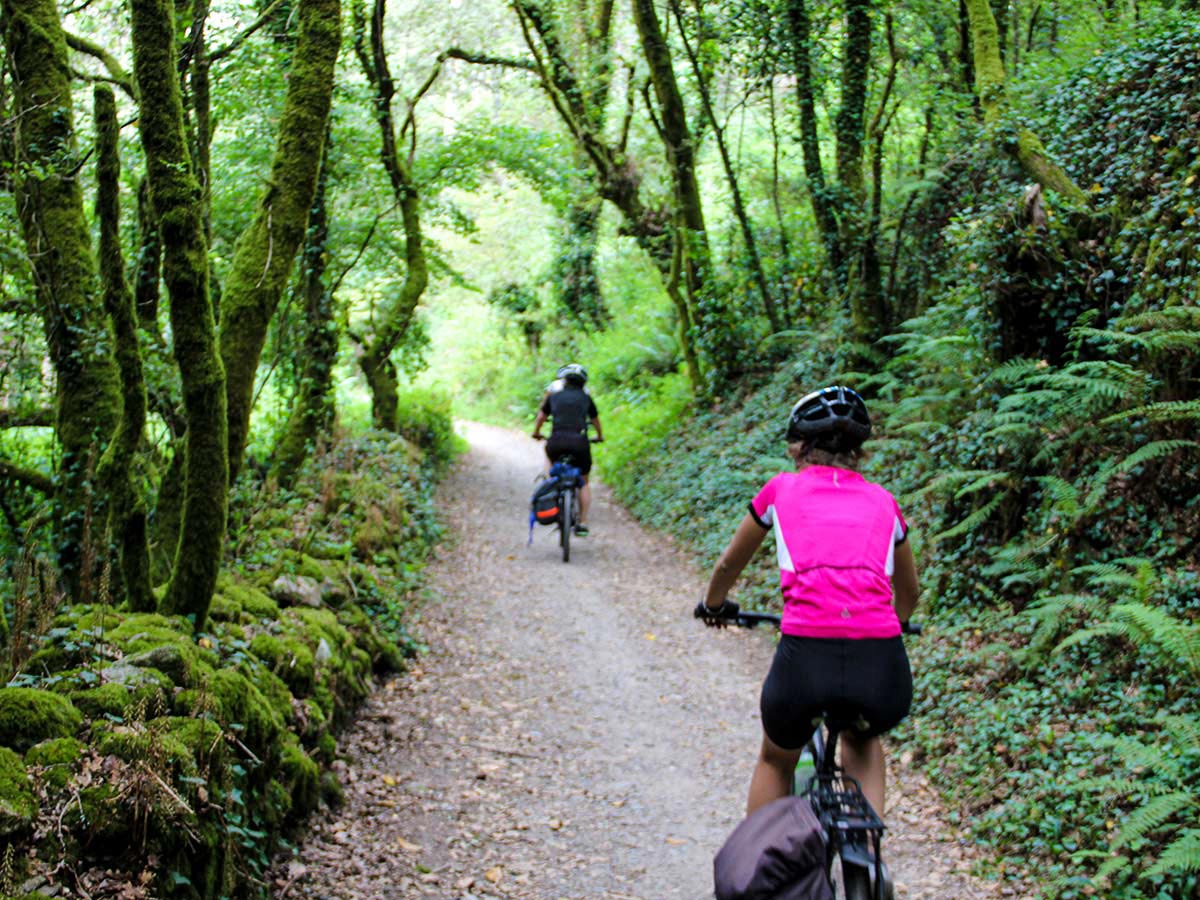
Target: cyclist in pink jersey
[[848, 579]]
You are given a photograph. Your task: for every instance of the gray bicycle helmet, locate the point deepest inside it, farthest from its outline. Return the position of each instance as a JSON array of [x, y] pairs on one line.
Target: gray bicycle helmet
[[573, 372], [834, 418]]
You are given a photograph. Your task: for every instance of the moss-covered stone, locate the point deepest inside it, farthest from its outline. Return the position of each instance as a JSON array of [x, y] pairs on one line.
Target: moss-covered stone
[[300, 776], [17, 805], [53, 762], [98, 813], [29, 716], [152, 641], [104, 700], [254, 603], [290, 659], [239, 705]]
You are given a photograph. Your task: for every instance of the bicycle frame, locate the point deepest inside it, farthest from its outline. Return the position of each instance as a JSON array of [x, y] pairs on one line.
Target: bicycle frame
[[853, 828]]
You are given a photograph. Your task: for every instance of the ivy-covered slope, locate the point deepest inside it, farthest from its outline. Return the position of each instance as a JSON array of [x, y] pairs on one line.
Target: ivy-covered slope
[[1037, 421], [140, 760]]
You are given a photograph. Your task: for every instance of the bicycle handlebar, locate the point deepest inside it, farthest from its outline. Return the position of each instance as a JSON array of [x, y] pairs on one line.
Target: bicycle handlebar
[[591, 440], [752, 619]]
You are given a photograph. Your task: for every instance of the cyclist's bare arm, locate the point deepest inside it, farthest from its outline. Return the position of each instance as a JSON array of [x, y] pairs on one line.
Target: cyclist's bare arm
[[539, 422], [748, 538], [596, 424], [904, 581]]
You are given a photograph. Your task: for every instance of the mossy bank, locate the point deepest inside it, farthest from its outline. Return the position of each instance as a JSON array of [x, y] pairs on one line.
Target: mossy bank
[[136, 753]]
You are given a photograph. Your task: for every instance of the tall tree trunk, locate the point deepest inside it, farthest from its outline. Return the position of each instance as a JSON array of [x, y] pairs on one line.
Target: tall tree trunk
[[263, 256], [118, 467], [1024, 145], [176, 196], [618, 177], [739, 206], [801, 47], [376, 360], [50, 207], [709, 316], [575, 278], [313, 411], [149, 262]]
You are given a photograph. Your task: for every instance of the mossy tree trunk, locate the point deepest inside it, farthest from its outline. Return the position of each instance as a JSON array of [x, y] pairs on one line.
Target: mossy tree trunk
[[398, 314], [576, 280], [265, 251], [118, 467], [801, 49], [313, 410], [617, 174], [148, 269], [710, 318], [176, 196], [766, 296], [1020, 142], [78, 334]]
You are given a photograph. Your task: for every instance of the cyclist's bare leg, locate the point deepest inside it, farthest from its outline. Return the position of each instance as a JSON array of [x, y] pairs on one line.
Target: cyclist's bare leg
[[585, 501], [772, 775], [863, 759]]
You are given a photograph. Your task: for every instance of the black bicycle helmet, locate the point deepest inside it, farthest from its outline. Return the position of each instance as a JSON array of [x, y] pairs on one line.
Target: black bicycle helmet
[[834, 418], [573, 372]]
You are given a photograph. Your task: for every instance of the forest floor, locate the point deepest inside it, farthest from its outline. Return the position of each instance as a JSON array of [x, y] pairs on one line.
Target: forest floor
[[571, 731]]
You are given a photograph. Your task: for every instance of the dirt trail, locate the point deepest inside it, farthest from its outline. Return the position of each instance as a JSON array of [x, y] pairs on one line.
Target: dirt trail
[[571, 732]]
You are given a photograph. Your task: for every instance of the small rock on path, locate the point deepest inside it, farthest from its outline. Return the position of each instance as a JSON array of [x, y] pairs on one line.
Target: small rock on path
[[572, 733]]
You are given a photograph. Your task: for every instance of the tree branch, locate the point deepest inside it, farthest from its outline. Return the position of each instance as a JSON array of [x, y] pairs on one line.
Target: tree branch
[[233, 45], [117, 74], [26, 418], [28, 477], [483, 59]]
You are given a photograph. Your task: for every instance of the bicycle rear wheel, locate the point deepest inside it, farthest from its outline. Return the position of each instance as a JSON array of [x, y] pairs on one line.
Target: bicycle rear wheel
[[568, 515], [851, 881]]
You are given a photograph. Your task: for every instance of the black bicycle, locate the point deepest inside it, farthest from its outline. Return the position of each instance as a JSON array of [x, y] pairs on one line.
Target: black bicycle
[[854, 831], [567, 481]]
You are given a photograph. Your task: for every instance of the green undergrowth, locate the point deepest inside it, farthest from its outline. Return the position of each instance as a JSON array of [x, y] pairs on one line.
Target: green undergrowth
[[135, 752], [1037, 423]]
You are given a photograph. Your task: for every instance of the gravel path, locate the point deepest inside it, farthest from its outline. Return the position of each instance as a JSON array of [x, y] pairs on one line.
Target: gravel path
[[571, 732]]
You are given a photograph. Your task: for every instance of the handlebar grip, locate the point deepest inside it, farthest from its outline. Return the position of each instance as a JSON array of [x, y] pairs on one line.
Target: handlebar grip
[[911, 627]]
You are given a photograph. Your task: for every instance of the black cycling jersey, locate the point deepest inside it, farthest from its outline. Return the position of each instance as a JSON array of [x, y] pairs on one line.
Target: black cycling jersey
[[570, 410]]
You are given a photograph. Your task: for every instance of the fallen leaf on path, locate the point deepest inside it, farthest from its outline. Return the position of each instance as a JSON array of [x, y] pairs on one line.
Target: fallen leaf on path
[[408, 846], [675, 842], [494, 874]]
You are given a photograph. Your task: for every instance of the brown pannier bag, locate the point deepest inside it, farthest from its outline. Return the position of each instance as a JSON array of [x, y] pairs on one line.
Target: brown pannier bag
[[777, 853]]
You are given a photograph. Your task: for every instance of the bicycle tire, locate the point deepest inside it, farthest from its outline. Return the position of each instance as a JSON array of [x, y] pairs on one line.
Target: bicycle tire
[[854, 882], [565, 525]]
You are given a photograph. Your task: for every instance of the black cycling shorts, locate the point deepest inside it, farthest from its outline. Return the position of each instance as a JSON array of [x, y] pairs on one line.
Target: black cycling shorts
[[865, 680], [578, 446]]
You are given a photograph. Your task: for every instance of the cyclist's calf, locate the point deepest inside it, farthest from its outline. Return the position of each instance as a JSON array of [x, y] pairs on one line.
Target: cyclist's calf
[[773, 774]]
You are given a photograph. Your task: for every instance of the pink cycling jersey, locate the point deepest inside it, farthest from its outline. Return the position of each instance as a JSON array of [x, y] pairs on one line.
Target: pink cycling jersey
[[836, 534]]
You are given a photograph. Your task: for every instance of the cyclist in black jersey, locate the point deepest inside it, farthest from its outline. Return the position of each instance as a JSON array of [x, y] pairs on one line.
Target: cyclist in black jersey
[[571, 409]]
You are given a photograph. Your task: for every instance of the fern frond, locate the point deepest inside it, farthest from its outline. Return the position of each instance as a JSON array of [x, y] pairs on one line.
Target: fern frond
[[1114, 865], [974, 520], [1150, 452], [1182, 855], [979, 484], [1180, 639], [1015, 371], [1183, 731], [1060, 492], [1166, 411], [1139, 754], [1152, 815], [946, 482]]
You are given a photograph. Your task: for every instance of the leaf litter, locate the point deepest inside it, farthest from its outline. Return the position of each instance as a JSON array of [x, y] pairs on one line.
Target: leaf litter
[[571, 733]]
